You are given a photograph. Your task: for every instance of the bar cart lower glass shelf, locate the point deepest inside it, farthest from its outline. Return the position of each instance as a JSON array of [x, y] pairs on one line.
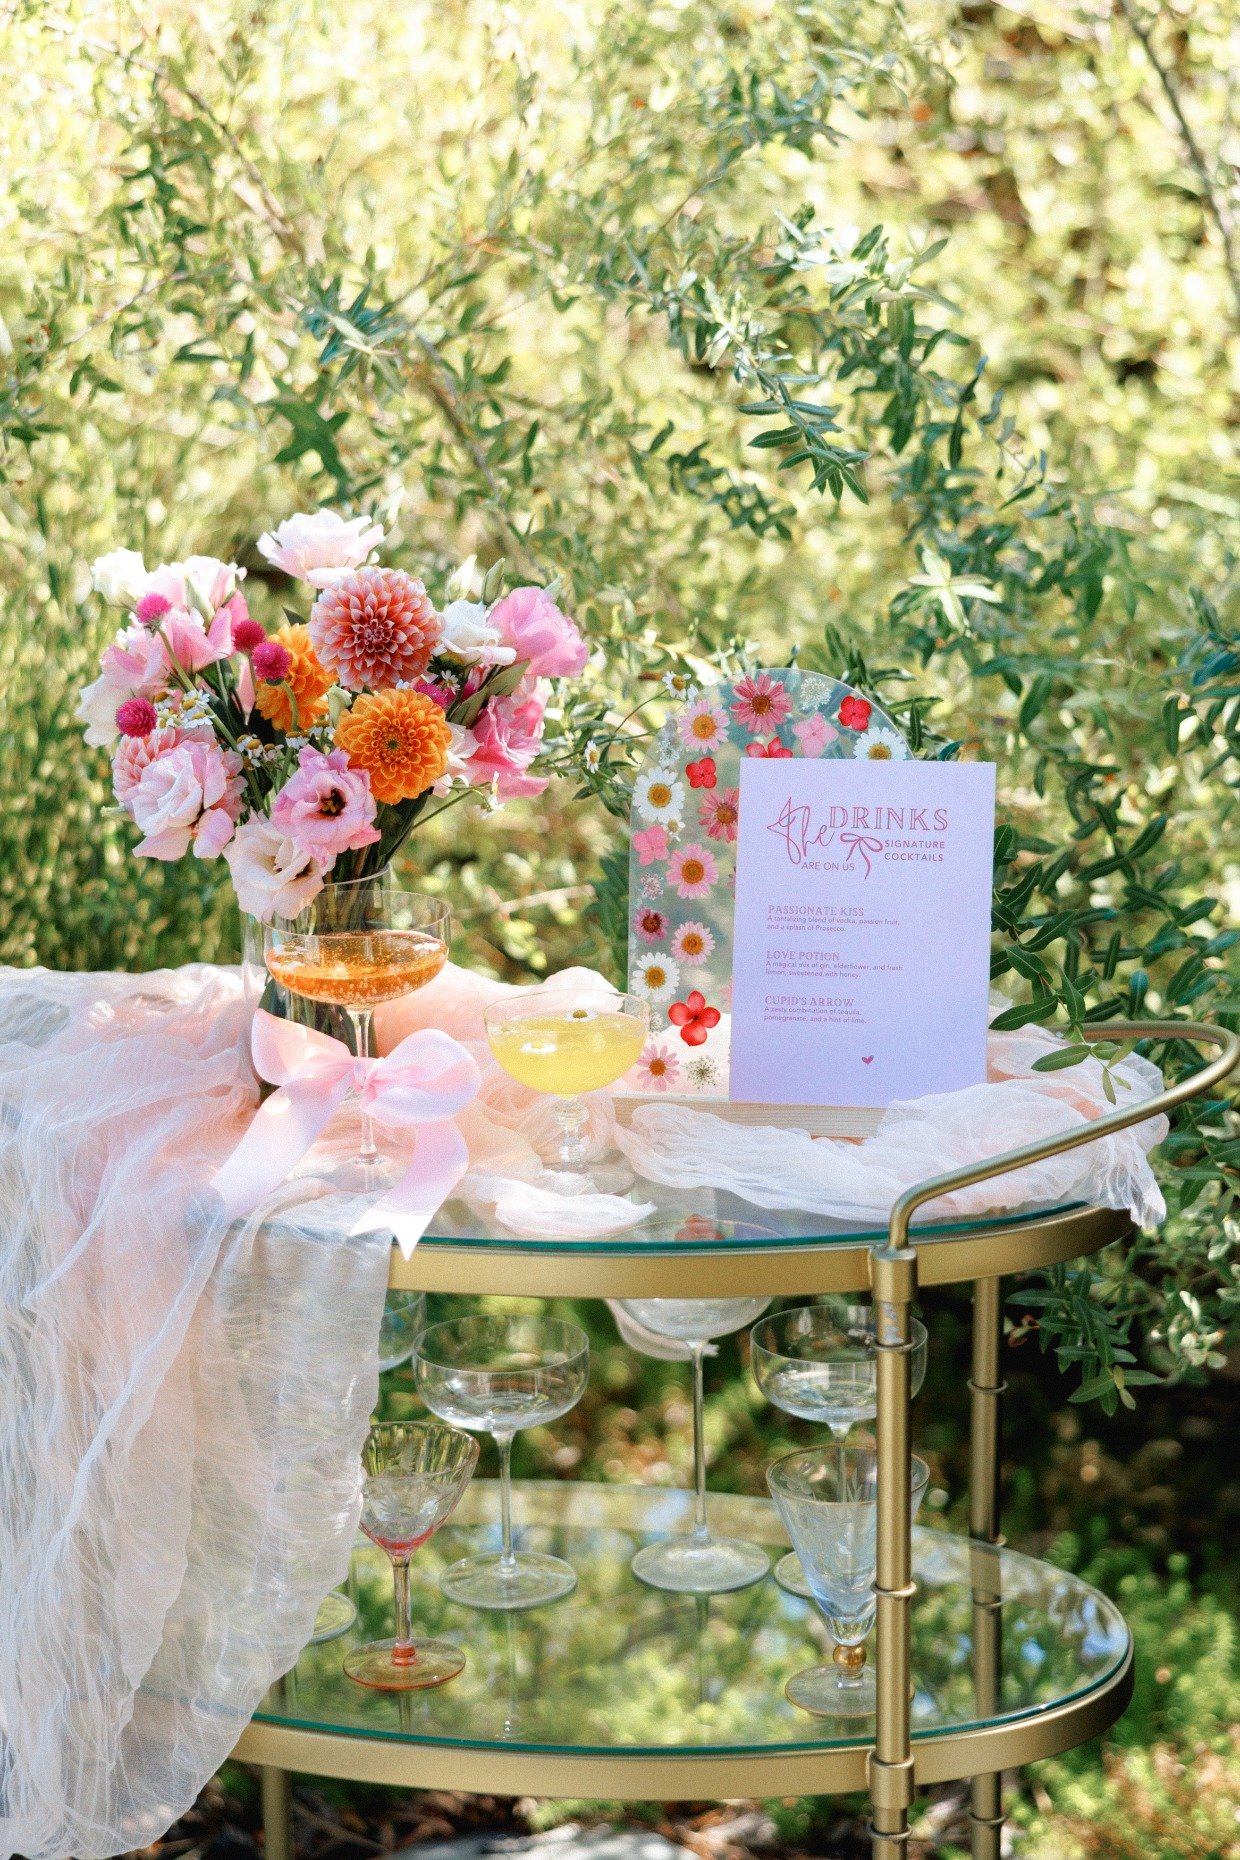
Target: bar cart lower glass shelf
[[623, 1691]]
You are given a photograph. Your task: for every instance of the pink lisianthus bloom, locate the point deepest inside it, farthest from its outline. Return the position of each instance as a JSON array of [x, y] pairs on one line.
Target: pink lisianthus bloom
[[320, 546], [326, 808], [650, 845], [531, 623], [272, 875], [508, 737], [190, 795]]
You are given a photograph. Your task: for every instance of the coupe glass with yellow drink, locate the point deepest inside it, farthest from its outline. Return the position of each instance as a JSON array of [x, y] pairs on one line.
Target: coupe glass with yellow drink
[[556, 1041]]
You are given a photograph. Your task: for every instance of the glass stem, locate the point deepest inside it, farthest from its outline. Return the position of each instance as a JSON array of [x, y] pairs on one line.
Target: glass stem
[[572, 1117], [701, 1530], [360, 1019], [403, 1652], [507, 1560]]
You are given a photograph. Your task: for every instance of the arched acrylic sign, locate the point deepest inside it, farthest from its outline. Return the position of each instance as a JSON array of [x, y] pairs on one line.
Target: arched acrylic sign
[[682, 868]]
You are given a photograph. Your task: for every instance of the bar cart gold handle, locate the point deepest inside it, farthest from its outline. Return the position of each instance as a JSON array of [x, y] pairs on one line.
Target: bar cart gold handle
[[893, 1280]]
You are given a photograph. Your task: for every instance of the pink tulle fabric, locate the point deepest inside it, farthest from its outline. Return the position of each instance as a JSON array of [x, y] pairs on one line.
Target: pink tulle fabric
[[186, 1398]]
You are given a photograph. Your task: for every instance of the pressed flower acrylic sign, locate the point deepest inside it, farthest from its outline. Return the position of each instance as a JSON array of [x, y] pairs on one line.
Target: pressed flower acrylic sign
[[310, 753], [685, 820]]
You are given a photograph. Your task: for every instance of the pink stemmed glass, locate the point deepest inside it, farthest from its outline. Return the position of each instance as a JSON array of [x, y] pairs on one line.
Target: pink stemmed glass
[[415, 1473]]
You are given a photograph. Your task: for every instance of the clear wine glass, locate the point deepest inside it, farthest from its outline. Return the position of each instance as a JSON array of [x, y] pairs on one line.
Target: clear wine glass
[[404, 1315], [828, 1500], [415, 1473], [358, 943], [820, 1362], [554, 1040], [496, 1375], [700, 1563]]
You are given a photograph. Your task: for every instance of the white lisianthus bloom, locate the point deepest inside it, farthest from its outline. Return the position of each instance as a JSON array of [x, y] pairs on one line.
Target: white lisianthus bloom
[[468, 635], [320, 546], [96, 708], [272, 876], [120, 577], [459, 750]]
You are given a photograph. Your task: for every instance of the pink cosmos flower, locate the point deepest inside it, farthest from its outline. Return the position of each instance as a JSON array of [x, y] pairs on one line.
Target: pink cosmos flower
[[190, 795], [509, 736], [693, 945], [658, 1069], [719, 814], [320, 546], [761, 704], [704, 724], [531, 623], [693, 871], [814, 733], [650, 925], [774, 751], [326, 808], [650, 845]]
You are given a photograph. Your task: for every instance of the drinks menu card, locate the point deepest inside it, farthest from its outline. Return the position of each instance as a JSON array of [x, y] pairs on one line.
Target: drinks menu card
[[861, 953]]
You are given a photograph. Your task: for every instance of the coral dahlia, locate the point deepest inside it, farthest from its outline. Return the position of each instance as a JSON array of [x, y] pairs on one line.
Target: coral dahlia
[[400, 738], [306, 678], [375, 627]]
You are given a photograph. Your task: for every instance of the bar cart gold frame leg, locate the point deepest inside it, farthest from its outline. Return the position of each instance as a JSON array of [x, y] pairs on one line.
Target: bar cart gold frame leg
[[276, 1798], [986, 1392], [893, 1280]]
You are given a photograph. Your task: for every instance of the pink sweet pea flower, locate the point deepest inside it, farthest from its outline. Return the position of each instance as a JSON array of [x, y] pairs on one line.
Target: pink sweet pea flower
[[135, 663], [326, 808], [508, 736], [650, 845], [190, 644], [531, 623], [191, 795]]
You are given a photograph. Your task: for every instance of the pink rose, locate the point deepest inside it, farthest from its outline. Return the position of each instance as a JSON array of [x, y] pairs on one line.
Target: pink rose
[[650, 845], [134, 754], [326, 808], [188, 796], [508, 737], [321, 546], [531, 623]]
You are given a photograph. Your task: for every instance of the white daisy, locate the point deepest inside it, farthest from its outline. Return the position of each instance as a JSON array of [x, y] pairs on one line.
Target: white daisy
[[655, 978], [658, 795], [881, 745]]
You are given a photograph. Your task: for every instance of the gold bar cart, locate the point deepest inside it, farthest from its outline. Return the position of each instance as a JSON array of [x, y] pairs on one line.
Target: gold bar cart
[[962, 1704]]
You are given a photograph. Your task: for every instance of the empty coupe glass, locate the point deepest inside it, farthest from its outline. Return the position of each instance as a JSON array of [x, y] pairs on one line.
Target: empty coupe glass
[[699, 1564], [496, 1375], [828, 1500], [415, 1473], [404, 1315], [820, 1362]]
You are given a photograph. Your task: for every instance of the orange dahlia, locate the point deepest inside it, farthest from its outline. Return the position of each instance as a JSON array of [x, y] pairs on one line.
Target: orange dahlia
[[376, 628], [400, 738], [307, 678]]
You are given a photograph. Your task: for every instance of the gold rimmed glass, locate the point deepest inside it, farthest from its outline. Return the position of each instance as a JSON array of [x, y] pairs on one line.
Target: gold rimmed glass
[[556, 1040], [415, 1473], [357, 944]]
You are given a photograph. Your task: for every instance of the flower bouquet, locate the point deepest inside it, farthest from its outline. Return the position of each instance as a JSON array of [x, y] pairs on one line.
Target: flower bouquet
[[306, 756]]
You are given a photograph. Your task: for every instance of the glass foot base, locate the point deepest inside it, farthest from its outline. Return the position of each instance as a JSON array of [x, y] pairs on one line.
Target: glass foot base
[[823, 1691], [790, 1576], [529, 1581], [688, 1566], [612, 1176], [335, 1617], [433, 1664], [355, 1177]]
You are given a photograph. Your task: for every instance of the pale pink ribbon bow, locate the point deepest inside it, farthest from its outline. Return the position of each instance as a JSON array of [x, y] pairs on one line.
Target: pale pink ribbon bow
[[423, 1082]]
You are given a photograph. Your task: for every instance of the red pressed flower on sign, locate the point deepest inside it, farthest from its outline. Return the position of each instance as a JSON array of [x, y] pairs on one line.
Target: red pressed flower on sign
[[702, 774], [694, 1018], [774, 751], [855, 713]]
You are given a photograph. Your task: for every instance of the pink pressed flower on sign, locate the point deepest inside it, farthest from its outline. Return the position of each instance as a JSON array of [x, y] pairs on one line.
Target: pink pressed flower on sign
[[508, 737], [761, 704], [814, 733], [658, 1069], [191, 795], [529, 621], [326, 808], [649, 924], [693, 945], [650, 845], [704, 724], [719, 814], [693, 871]]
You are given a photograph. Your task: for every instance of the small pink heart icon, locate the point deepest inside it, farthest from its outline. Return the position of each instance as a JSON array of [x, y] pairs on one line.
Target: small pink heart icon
[[867, 1059]]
